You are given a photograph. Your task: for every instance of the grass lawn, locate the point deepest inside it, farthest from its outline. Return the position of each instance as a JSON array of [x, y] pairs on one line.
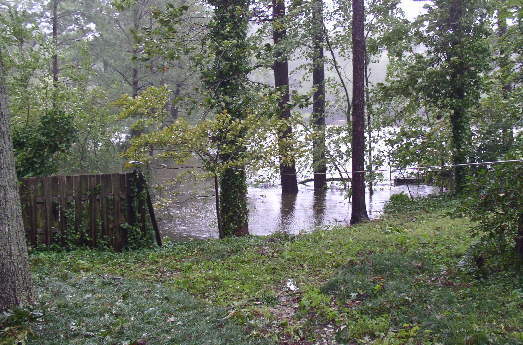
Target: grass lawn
[[404, 279]]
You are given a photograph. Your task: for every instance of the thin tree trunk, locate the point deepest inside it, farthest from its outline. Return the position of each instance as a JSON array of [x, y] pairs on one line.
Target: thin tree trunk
[[319, 161], [134, 72], [340, 76], [15, 279], [55, 68], [359, 209], [289, 183], [134, 78], [507, 129], [519, 238], [369, 124], [174, 110]]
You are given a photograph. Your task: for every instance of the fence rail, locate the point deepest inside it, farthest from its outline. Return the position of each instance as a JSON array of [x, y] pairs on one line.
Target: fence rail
[[91, 210]]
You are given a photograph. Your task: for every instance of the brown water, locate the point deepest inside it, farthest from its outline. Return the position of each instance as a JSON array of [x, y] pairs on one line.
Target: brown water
[[193, 214]]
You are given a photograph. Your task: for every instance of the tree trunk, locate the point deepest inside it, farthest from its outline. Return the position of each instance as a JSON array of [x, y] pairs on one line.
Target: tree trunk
[[134, 78], [359, 209], [458, 118], [503, 63], [234, 214], [174, 110], [519, 238], [340, 76], [319, 161], [289, 183], [134, 71], [15, 279], [55, 69], [369, 124], [226, 81]]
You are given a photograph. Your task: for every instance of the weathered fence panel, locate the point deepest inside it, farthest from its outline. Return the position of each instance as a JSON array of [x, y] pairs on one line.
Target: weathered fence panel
[[87, 210]]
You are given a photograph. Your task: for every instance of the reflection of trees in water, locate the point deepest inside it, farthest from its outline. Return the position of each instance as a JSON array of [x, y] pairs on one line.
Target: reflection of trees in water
[[370, 205], [318, 206], [287, 210]]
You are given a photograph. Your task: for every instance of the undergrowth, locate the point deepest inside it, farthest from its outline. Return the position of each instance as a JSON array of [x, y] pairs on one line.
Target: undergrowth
[[399, 280]]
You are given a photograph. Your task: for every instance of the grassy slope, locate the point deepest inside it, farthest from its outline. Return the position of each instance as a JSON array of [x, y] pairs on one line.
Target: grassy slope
[[394, 281]]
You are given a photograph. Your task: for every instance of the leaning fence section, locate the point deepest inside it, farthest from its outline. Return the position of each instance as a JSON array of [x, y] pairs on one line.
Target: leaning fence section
[[109, 210]]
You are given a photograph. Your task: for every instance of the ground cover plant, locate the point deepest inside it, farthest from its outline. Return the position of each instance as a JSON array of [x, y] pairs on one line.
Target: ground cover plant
[[405, 279]]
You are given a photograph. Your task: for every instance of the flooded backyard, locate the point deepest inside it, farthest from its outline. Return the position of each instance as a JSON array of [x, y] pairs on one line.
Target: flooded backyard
[[186, 206], [193, 214]]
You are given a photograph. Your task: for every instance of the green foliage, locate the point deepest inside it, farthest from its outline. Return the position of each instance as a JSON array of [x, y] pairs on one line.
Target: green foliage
[[417, 297], [38, 146], [148, 110], [107, 309], [495, 201], [446, 79], [314, 302], [403, 204], [363, 326], [225, 145], [398, 203], [54, 109], [15, 326], [397, 281]]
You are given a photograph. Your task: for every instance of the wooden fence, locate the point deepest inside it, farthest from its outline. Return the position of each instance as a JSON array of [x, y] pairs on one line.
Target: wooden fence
[[92, 210]]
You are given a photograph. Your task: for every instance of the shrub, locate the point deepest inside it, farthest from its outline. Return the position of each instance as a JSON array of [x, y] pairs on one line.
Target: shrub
[[37, 147], [495, 200]]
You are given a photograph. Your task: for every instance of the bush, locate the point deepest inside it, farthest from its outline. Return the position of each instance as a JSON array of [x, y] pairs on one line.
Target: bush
[[495, 200], [37, 147]]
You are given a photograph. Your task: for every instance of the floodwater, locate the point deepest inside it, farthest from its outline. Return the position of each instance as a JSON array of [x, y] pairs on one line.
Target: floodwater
[[186, 208], [194, 215]]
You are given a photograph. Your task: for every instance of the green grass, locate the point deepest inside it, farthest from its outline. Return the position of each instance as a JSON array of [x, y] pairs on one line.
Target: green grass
[[400, 280], [94, 309]]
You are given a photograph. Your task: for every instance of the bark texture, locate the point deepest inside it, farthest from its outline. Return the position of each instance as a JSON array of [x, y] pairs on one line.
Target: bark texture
[[319, 161], [458, 118], [359, 208], [15, 279], [289, 182], [519, 238], [369, 124], [227, 81]]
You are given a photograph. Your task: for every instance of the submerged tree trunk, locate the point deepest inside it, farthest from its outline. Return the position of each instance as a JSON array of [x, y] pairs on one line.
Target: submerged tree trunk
[[289, 183], [319, 161], [226, 80], [359, 208], [15, 279]]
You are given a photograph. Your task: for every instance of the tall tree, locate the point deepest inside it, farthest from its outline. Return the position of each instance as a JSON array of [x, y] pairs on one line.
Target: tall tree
[[359, 208], [55, 68], [289, 183], [319, 160], [15, 279], [227, 81], [458, 118]]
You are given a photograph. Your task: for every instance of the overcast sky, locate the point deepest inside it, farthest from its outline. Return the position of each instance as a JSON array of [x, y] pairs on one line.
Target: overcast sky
[[412, 8]]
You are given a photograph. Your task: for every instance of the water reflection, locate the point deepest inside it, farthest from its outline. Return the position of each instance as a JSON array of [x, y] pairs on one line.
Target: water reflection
[[318, 206], [270, 212], [287, 209]]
